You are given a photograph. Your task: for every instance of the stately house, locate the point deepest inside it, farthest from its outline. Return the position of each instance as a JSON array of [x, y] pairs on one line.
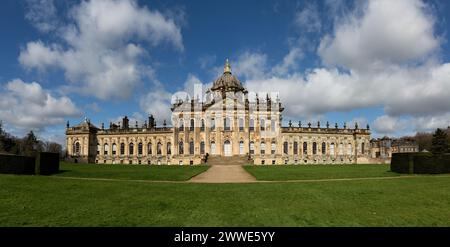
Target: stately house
[[226, 124], [383, 148]]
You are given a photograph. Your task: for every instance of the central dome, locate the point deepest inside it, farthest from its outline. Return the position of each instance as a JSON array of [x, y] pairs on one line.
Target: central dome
[[227, 81]]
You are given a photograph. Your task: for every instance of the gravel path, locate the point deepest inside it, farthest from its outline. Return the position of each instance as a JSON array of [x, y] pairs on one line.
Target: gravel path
[[224, 174]]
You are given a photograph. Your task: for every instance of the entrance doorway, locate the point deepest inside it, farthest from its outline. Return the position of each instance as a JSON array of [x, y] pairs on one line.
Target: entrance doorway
[[241, 147], [213, 148], [227, 148]]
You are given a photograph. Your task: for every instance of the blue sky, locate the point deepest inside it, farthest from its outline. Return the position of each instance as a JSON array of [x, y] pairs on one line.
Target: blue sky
[[382, 63]]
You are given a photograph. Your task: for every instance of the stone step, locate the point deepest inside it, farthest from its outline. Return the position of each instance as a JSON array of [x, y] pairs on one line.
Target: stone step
[[232, 160]]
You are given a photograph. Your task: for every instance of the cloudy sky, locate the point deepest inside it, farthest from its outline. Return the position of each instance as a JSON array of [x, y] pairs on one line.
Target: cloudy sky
[[384, 63]]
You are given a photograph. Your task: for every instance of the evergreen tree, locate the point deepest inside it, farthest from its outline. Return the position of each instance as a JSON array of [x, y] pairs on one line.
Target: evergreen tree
[[2, 138], [440, 143], [30, 144]]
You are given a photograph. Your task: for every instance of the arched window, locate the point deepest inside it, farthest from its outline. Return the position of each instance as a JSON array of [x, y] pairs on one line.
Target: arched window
[[252, 124], [273, 147], [324, 148], [191, 147], [305, 148], [122, 148], [114, 149], [241, 147], [362, 148], [131, 150], [149, 148], [159, 148], [227, 123], [349, 149], [181, 125], [77, 148], [227, 148], [202, 127], [191, 127], [169, 148], [285, 148], [314, 148], [252, 147], [140, 148], [98, 148], [213, 147], [105, 149], [202, 147], [180, 147], [332, 149], [262, 124], [295, 148], [263, 147], [241, 124], [213, 124]]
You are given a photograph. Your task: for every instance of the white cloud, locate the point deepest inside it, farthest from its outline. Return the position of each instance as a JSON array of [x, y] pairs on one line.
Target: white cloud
[[132, 119], [157, 102], [28, 106], [431, 123], [289, 61], [387, 32], [39, 56], [105, 41], [250, 65], [308, 19], [42, 14], [388, 125], [384, 69]]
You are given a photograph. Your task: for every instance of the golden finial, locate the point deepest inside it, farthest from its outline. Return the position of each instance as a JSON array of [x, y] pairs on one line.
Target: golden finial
[[227, 67]]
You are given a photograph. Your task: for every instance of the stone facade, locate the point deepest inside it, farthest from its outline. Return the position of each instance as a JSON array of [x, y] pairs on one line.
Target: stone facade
[[227, 122], [383, 148]]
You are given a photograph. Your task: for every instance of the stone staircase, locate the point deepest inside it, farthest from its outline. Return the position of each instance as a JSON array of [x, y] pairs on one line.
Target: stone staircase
[[231, 160]]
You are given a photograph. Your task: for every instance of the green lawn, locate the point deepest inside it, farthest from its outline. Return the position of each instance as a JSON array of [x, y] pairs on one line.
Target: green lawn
[[136, 172], [53, 201], [305, 172]]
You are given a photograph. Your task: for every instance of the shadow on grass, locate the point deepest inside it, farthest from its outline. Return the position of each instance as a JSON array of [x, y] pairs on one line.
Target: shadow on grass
[[59, 172]]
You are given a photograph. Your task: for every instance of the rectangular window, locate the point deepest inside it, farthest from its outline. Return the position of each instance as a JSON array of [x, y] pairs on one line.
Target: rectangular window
[[213, 124], [263, 148], [191, 148], [227, 123]]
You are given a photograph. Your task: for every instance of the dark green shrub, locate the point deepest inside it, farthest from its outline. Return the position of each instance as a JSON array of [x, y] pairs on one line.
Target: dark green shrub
[[420, 163], [47, 163], [399, 163], [16, 164]]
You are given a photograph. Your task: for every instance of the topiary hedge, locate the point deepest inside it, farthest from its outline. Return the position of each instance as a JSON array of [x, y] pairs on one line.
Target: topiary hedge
[[43, 164], [16, 164], [420, 163], [47, 163]]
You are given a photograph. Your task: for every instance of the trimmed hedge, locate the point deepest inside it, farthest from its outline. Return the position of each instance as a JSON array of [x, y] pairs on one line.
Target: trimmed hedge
[[16, 164], [420, 163], [43, 164], [47, 163]]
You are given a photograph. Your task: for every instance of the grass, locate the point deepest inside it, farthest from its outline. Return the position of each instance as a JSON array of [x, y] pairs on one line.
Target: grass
[[305, 172], [134, 172], [53, 201]]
